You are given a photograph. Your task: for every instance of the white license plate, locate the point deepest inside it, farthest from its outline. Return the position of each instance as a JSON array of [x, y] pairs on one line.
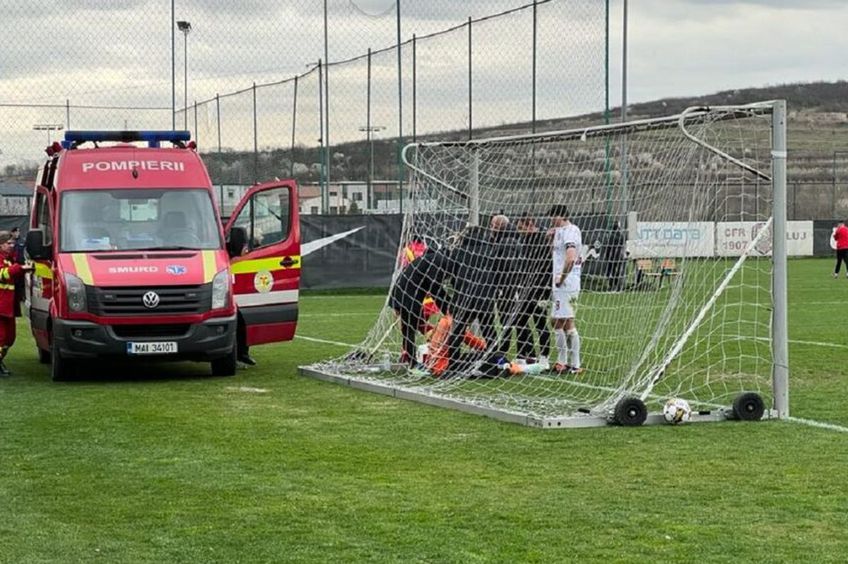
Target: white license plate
[[160, 347]]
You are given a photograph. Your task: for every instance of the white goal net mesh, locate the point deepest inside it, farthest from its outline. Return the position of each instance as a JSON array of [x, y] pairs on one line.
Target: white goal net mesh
[[672, 246]]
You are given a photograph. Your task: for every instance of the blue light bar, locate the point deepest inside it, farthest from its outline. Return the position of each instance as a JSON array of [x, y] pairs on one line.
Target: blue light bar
[[151, 137]]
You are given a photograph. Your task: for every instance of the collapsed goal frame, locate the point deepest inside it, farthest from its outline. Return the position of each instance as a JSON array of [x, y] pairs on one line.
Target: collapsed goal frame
[[459, 183]]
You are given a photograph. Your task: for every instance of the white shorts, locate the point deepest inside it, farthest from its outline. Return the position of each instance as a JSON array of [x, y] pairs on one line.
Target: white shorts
[[562, 306]]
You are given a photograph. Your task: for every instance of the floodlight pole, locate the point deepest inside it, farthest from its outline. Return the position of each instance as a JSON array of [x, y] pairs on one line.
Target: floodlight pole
[[173, 73], [780, 324], [370, 130], [185, 27]]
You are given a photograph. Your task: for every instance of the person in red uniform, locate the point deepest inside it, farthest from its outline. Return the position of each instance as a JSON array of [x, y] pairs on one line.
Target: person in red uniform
[[10, 272], [841, 238]]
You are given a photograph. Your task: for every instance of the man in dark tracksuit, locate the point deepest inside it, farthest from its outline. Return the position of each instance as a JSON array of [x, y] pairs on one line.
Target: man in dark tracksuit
[[534, 294], [612, 254], [423, 277], [475, 290], [484, 280], [507, 266]]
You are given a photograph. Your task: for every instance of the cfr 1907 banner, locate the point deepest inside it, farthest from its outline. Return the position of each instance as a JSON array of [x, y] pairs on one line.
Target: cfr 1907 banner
[[732, 238]]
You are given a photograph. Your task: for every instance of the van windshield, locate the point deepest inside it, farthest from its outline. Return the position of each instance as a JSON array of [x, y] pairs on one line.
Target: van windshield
[[134, 219]]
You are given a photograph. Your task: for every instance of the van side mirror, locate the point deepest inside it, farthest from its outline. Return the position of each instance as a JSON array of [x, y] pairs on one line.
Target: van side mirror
[[237, 241], [35, 246]]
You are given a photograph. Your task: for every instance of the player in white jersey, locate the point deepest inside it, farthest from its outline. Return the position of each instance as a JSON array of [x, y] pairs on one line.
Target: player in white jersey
[[567, 265]]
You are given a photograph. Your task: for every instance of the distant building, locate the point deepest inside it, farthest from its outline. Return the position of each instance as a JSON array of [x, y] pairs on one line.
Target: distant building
[[343, 195], [15, 198]]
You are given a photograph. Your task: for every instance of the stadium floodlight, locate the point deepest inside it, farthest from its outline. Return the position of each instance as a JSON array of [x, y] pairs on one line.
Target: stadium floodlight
[[683, 278], [49, 128]]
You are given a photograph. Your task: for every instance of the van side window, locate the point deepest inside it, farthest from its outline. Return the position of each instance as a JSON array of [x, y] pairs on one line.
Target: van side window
[[42, 216], [266, 217]]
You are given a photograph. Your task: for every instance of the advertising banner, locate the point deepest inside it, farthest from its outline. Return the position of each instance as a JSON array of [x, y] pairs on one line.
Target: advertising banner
[[732, 238], [672, 239]]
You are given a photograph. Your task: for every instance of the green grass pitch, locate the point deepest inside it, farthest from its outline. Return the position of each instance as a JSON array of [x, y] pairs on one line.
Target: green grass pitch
[[161, 463]]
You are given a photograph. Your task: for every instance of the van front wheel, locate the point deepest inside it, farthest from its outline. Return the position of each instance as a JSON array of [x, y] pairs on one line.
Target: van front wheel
[[61, 369], [226, 365]]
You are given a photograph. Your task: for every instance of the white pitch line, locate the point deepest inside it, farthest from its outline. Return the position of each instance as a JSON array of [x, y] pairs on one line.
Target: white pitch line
[[818, 344], [811, 343], [819, 424], [348, 314], [314, 340]]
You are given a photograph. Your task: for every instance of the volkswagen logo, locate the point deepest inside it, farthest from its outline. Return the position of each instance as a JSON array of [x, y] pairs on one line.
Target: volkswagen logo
[[150, 300]]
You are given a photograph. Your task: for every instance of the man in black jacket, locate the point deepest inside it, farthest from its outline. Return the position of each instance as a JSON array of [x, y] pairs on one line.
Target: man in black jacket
[[475, 291], [425, 276], [484, 281], [535, 292]]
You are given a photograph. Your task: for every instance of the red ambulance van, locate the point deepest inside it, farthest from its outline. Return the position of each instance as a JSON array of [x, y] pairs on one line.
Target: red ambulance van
[[131, 259]]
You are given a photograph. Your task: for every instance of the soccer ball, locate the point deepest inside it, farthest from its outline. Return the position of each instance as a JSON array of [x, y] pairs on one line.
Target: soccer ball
[[677, 411]]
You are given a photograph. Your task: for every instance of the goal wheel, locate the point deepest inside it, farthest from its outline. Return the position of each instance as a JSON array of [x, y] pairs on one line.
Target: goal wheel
[[630, 412], [748, 407]]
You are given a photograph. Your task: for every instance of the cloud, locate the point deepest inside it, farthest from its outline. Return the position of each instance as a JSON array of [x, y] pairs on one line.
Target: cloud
[[92, 52]]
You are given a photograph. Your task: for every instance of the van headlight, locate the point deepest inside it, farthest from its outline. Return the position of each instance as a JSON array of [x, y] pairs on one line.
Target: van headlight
[[221, 289], [75, 290]]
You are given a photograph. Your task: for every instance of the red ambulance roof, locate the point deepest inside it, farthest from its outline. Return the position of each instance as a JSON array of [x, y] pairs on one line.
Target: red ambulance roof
[[111, 167]]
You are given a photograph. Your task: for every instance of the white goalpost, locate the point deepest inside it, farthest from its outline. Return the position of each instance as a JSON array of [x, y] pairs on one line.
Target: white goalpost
[[680, 247]]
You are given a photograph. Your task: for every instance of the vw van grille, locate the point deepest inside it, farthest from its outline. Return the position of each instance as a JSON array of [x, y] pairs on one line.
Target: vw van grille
[[151, 331], [129, 300]]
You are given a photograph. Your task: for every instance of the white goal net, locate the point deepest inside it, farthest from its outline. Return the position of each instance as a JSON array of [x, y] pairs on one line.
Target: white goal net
[[662, 230]]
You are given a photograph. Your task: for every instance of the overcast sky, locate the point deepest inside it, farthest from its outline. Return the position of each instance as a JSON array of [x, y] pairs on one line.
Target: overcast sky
[[93, 52]]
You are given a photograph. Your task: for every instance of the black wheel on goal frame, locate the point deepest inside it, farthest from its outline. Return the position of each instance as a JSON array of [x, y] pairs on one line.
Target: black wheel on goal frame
[[748, 407], [630, 412]]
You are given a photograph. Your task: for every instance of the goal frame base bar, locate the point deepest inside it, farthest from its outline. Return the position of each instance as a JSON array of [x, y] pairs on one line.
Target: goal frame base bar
[[578, 420]]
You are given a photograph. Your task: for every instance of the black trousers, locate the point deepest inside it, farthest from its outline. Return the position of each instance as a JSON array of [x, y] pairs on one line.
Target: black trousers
[[467, 309], [615, 271], [411, 313], [841, 256], [532, 315]]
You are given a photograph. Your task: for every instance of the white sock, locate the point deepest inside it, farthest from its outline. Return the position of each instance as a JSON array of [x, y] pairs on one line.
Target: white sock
[[574, 339], [562, 346]]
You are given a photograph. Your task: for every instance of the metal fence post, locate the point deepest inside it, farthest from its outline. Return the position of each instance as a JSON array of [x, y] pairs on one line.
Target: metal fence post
[[369, 194], [294, 127], [414, 89], [470, 85]]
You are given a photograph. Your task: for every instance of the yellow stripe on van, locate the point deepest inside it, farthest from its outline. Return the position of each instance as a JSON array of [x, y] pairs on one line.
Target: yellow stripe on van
[[270, 264], [209, 264], [83, 270], [43, 271]]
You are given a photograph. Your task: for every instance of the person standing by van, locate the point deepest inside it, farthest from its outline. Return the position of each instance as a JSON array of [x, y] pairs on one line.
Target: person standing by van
[[19, 257], [10, 272], [840, 237]]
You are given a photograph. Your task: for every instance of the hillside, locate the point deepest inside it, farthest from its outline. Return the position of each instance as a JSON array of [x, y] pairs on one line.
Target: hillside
[[818, 138], [817, 97]]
